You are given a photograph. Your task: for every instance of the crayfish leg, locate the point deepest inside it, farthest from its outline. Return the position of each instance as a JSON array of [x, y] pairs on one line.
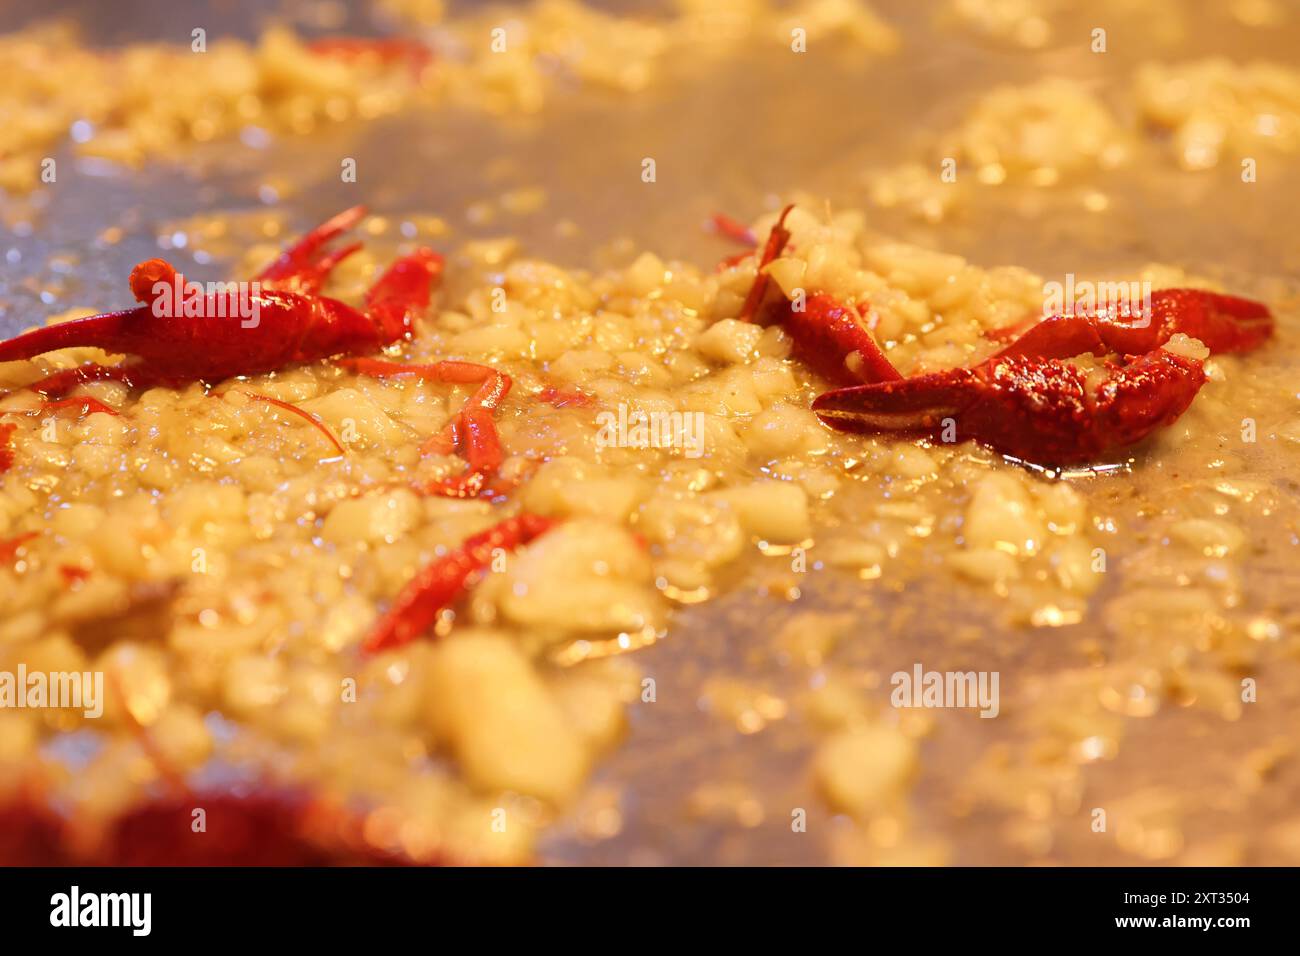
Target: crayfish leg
[[441, 582], [476, 433], [472, 428]]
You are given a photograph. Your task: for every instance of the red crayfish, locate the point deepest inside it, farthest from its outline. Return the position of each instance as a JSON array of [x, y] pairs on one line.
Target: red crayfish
[[182, 335], [1028, 401], [178, 337]]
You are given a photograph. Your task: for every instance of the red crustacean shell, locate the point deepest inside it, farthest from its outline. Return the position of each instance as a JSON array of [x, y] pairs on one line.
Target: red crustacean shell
[[31, 834], [241, 330], [1037, 411], [267, 827], [832, 340], [1028, 402]]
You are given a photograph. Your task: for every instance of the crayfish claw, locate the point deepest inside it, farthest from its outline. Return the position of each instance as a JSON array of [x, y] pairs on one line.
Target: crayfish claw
[[1042, 411], [917, 406], [299, 268], [402, 291], [1030, 402], [1225, 323]]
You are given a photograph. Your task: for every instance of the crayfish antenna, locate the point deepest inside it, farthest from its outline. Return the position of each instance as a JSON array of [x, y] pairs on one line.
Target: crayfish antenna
[[299, 268]]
